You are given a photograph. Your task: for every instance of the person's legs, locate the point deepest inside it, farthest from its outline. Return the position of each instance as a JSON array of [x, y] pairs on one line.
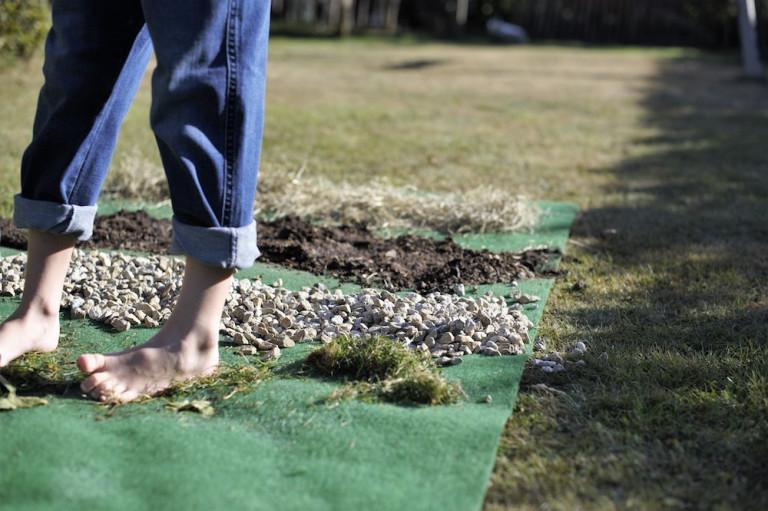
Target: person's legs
[[95, 58], [207, 114]]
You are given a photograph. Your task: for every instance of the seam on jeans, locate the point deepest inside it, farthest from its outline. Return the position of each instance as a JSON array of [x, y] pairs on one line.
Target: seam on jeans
[[231, 111]]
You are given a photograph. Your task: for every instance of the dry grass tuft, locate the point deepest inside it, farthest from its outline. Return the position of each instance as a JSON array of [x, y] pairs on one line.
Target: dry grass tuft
[[381, 206], [136, 178]]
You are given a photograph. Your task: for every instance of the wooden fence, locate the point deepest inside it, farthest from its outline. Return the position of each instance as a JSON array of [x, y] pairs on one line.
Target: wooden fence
[[340, 17], [703, 23]]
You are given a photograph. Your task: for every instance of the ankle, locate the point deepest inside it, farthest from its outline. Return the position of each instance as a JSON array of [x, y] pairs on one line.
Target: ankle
[[193, 335], [37, 312]]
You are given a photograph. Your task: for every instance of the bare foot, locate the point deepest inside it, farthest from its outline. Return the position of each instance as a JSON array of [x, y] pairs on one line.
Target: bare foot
[[186, 346], [24, 333], [35, 324], [150, 368]]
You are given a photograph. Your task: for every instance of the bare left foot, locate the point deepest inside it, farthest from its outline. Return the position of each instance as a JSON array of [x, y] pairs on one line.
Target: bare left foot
[[150, 368], [186, 347]]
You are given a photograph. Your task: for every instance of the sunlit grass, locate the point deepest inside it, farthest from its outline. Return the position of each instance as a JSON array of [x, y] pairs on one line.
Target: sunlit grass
[[663, 149]]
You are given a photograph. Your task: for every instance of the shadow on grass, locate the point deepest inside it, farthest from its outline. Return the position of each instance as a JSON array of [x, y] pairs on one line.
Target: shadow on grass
[[677, 274]]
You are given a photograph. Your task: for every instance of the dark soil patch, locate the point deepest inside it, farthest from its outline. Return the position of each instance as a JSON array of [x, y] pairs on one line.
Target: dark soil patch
[[351, 253]]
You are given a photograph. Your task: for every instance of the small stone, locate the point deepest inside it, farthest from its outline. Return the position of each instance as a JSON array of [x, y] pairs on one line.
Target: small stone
[[285, 342], [579, 286], [119, 324], [132, 319], [490, 352], [443, 361], [248, 350], [272, 354], [459, 288], [527, 299], [558, 368], [446, 338], [580, 345], [554, 357], [576, 352], [603, 357], [261, 344], [580, 362], [278, 283], [547, 369], [77, 313], [489, 399], [456, 361]]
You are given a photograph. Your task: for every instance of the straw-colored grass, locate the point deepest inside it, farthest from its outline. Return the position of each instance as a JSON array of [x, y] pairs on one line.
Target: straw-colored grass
[[381, 206]]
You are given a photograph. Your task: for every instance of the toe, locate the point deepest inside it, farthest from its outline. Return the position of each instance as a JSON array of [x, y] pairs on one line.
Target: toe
[[95, 381], [91, 362]]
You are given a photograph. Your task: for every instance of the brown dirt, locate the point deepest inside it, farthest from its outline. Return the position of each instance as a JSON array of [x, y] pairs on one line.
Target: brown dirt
[[351, 253]]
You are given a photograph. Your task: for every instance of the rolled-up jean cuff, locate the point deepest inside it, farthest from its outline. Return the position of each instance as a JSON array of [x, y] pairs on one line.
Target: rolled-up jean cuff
[[223, 247], [53, 217]]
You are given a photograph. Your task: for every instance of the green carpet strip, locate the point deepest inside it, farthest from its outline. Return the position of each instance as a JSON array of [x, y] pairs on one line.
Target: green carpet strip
[[282, 446]]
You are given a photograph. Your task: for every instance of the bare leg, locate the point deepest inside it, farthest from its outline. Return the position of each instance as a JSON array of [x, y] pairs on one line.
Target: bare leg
[[185, 347], [34, 326]]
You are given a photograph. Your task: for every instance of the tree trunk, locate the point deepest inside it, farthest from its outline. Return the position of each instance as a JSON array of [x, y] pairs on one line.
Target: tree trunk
[[462, 11], [363, 13], [347, 18], [747, 27], [393, 14]]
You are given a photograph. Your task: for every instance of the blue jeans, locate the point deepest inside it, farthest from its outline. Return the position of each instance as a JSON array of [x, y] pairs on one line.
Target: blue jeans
[[207, 116]]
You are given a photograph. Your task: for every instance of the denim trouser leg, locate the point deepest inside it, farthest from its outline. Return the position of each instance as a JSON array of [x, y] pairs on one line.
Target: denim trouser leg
[[95, 56], [207, 115]]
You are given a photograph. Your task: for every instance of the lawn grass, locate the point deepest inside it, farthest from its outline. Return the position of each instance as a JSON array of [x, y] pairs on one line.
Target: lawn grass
[[664, 152]]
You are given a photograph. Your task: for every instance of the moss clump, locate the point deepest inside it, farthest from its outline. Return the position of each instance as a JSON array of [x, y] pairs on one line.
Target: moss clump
[[385, 369], [44, 373], [226, 381]]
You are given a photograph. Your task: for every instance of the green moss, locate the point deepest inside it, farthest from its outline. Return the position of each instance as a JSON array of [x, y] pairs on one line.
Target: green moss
[[226, 381], [384, 369]]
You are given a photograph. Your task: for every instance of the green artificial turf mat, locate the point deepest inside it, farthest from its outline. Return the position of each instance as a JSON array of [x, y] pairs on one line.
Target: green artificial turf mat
[[282, 445]]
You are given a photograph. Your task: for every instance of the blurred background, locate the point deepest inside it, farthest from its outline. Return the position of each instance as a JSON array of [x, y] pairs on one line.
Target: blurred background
[[710, 24]]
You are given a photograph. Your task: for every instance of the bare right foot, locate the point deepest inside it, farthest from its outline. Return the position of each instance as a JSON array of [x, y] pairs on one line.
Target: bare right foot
[[35, 324], [24, 333]]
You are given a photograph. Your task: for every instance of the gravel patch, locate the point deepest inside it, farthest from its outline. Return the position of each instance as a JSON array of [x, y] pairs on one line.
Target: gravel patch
[[125, 291]]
